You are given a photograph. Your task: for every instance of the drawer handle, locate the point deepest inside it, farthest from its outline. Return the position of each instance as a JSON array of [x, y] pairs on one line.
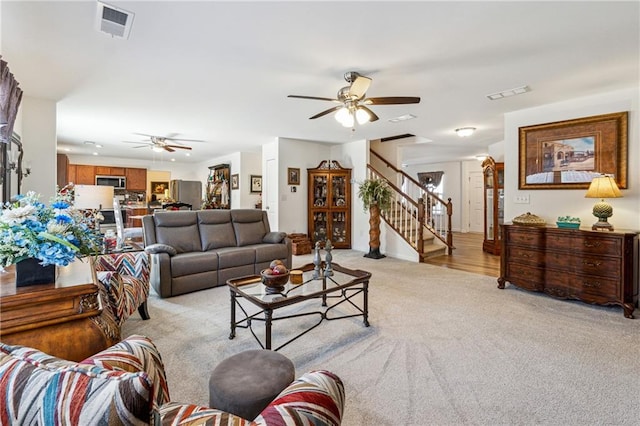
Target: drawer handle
[[591, 245], [597, 284], [592, 264], [527, 255]]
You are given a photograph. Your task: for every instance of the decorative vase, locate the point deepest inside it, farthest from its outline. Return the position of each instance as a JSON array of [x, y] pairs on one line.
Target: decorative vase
[[374, 233], [30, 272]]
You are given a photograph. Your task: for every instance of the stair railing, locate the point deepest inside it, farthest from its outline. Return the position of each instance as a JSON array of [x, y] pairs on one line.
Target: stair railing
[[417, 209]]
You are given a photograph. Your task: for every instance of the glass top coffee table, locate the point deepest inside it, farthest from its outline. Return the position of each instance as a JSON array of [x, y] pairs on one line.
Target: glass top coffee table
[[343, 287]]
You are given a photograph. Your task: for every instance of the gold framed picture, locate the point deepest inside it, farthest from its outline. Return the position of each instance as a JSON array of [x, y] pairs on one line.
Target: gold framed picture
[[569, 154]]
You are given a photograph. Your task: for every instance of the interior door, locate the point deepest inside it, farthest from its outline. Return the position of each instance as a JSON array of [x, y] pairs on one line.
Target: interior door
[[270, 193], [476, 202]]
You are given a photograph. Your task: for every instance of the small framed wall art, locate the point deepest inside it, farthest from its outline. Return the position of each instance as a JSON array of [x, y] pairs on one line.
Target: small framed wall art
[[235, 184], [256, 184], [294, 176]]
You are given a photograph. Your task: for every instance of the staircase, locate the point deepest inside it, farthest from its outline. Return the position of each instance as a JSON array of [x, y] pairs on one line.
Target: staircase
[[418, 215]]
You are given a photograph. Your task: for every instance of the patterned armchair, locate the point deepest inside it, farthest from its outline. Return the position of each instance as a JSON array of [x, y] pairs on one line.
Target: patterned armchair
[[126, 384], [124, 278]]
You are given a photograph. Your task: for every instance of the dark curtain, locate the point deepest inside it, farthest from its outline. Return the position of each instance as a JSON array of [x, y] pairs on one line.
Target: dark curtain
[[431, 179], [10, 97]]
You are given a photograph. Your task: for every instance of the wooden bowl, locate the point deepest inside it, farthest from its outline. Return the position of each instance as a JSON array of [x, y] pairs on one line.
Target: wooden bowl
[[273, 281]]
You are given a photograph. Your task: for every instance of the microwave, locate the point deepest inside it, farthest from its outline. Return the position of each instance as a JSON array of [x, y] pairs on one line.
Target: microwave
[[118, 182]]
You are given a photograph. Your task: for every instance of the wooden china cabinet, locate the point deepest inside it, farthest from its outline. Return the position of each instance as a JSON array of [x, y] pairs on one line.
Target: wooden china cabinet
[[329, 212], [493, 205]]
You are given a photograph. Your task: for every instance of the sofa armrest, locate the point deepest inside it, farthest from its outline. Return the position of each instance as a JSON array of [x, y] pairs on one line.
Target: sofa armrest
[[274, 237], [317, 396], [174, 414], [134, 354], [161, 248]]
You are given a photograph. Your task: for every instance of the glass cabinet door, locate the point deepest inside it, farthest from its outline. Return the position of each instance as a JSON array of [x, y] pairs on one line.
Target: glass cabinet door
[[488, 220]]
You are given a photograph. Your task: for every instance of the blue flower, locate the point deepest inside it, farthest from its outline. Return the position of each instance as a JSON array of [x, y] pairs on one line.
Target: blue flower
[[54, 235]]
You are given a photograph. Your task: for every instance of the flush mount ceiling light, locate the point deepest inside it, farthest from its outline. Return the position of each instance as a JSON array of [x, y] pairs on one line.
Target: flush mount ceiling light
[[465, 131], [402, 118], [509, 92]]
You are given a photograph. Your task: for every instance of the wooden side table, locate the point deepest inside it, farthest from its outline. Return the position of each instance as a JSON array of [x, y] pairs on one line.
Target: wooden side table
[[62, 319]]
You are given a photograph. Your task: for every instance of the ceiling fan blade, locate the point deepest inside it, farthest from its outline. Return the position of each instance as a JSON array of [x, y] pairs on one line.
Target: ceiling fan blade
[[323, 113], [392, 100], [138, 142], [178, 146], [168, 148], [360, 86], [183, 140], [139, 146], [372, 115], [313, 97]]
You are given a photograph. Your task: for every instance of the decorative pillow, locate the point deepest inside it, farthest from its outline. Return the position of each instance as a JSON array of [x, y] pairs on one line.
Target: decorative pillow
[[41, 389], [175, 413], [161, 248], [274, 237]]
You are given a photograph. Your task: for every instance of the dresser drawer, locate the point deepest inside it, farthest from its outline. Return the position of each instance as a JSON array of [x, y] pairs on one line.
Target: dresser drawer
[[525, 255], [523, 237], [583, 287], [597, 245], [527, 277], [591, 265]]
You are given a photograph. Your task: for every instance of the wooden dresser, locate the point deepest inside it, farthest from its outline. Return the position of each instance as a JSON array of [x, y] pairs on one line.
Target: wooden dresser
[[597, 267], [62, 319]]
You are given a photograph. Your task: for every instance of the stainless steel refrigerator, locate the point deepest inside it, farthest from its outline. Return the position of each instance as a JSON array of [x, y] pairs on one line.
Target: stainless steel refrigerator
[[187, 191]]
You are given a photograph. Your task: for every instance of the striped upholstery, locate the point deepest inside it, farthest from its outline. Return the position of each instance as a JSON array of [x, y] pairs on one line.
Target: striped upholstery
[[36, 388], [133, 354], [126, 384], [125, 277]]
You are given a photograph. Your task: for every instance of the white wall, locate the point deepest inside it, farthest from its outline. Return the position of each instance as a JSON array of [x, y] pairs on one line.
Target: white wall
[[549, 204], [39, 145], [452, 186]]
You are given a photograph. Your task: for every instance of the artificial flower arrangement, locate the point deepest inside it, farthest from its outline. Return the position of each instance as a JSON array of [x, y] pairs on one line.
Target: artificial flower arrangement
[[55, 234]]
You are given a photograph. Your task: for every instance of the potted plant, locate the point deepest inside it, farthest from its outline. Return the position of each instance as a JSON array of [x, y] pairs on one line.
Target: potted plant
[[376, 197]]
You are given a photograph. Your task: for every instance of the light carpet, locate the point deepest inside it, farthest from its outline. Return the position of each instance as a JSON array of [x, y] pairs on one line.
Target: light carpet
[[445, 347]]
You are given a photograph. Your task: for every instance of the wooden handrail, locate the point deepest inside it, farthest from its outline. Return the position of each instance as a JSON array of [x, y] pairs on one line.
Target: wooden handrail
[[417, 210]]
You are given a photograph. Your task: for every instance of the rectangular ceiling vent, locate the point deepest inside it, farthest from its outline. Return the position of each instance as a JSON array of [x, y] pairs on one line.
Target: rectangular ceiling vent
[[396, 137], [114, 21]]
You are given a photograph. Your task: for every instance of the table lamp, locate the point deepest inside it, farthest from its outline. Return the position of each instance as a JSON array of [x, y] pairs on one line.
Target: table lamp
[[602, 187]]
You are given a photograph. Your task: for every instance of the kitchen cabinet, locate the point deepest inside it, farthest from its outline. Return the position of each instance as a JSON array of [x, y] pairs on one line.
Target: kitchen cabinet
[[62, 170], [592, 266], [329, 204], [136, 179], [493, 204], [85, 175], [110, 171]]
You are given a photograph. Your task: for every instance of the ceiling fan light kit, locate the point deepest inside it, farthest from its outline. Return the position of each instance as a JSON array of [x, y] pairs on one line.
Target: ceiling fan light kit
[[353, 101]]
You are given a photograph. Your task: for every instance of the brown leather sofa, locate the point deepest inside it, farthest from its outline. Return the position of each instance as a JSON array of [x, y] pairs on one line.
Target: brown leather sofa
[[196, 250]]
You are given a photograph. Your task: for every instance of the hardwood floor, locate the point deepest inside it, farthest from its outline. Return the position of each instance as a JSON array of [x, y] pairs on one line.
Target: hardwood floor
[[468, 256]]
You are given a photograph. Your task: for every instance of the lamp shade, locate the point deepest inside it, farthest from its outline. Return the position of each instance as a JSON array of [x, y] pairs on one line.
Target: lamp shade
[[603, 187]]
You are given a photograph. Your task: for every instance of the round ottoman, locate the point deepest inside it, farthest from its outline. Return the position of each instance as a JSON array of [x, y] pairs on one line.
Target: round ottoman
[[245, 383]]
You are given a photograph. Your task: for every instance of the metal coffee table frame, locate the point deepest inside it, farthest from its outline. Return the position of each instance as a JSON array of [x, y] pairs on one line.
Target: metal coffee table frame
[[339, 288]]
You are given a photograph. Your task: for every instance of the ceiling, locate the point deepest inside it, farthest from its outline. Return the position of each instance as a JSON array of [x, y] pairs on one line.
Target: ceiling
[[221, 71]]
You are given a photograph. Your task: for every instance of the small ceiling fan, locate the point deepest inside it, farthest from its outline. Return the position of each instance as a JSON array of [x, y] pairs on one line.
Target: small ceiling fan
[[353, 106], [163, 143]]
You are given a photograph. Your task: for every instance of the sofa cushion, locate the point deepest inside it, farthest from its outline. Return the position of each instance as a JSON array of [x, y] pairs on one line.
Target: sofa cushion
[[216, 229], [235, 256], [39, 388], [193, 263], [249, 226], [178, 229], [274, 237]]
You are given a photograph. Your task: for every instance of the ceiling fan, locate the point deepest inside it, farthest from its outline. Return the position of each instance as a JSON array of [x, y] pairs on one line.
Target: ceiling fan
[[163, 143], [353, 106]]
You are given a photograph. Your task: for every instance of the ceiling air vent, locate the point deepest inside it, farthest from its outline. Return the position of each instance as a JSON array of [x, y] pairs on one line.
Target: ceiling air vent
[[114, 21], [396, 137]]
